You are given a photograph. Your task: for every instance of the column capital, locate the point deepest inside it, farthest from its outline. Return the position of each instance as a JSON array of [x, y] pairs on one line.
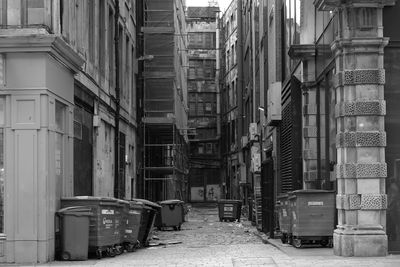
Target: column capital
[[331, 5]]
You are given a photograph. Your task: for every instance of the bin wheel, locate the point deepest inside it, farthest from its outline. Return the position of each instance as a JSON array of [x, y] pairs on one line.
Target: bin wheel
[[65, 256], [130, 247], [99, 253], [297, 243], [118, 249], [110, 252], [290, 239], [284, 238], [324, 242]]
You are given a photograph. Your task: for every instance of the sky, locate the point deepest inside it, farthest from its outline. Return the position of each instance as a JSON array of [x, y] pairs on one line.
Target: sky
[[223, 4]]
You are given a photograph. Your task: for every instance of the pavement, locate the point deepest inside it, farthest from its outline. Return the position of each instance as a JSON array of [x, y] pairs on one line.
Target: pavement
[[205, 241]]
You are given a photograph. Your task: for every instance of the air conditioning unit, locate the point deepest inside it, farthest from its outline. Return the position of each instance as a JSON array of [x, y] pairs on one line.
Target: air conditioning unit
[[274, 107], [253, 131]]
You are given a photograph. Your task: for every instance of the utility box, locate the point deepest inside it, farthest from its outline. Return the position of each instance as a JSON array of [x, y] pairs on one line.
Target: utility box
[[312, 216], [274, 104]]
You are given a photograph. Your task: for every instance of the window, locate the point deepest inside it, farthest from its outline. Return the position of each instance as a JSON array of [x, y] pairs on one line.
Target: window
[[111, 65], [101, 44], [2, 176], [91, 10], [291, 30], [78, 120]]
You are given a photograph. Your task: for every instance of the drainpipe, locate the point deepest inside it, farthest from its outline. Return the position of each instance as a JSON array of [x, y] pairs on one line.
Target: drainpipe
[[117, 183]]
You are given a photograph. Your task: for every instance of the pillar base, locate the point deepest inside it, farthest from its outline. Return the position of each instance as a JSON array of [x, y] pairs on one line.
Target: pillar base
[[360, 243]]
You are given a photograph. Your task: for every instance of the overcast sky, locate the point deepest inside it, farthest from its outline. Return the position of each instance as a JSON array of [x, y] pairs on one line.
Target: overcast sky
[[223, 4]]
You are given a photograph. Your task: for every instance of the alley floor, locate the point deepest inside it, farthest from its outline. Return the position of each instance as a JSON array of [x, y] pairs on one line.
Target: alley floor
[[204, 241]]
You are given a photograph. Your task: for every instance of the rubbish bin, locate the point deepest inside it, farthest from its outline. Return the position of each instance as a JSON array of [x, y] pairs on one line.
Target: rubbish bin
[[150, 210], [131, 234], [171, 214], [229, 209], [121, 220], [312, 216], [283, 208], [74, 227], [104, 231]]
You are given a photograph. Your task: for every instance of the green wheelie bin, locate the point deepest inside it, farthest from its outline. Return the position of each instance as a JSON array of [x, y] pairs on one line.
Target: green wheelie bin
[[149, 212], [104, 230], [171, 215], [74, 228], [229, 209], [134, 211]]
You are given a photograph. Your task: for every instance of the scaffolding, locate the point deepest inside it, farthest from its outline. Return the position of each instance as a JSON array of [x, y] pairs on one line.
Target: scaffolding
[[165, 166]]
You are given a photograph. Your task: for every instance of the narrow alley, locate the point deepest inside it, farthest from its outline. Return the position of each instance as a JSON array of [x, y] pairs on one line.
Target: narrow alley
[[205, 241]]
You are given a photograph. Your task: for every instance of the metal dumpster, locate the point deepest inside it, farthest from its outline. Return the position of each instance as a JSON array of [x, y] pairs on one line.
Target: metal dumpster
[[229, 209], [150, 210], [104, 230], [313, 216], [283, 208], [131, 232], [171, 214], [74, 225]]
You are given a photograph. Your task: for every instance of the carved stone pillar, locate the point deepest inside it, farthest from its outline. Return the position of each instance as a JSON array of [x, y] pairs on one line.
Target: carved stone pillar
[[361, 139]]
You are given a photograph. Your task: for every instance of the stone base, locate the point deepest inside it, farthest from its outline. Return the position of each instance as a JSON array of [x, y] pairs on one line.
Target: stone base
[[360, 243]]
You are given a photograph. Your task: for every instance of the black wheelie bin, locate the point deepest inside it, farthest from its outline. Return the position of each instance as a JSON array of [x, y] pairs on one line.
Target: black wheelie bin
[[134, 211], [171, 215], [149, 212], [104, 230], [229, 209], [74, 228]]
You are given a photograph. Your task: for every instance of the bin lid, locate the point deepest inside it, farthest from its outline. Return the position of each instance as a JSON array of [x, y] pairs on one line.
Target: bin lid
[[90, 198], [76, 211], [311, 191], [229, 201], [171, 201], [282, 196], [147, 203], [122, 201]]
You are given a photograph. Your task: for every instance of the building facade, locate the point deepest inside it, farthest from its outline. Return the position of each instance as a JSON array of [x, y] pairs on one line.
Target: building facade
[[68, 114], [333, 63], [165, 106], [204, 103], [231, 103]]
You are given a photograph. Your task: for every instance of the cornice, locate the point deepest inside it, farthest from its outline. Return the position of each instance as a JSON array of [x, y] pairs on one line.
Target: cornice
[[302, 51], [49, 43], [330, 5]]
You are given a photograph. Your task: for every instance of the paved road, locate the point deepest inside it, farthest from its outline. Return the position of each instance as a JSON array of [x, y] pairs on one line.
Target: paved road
[[204, 241]]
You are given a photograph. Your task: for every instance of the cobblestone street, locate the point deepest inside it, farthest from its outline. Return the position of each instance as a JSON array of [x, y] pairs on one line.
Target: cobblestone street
[[204, 241]]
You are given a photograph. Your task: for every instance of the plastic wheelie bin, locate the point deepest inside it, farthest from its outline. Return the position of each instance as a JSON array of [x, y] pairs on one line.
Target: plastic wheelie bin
[[229, 209], [121, 220], [171, 214], [104, 230], [149, 212], [283, 208], [74, 225], [134, 211], [313, 216]]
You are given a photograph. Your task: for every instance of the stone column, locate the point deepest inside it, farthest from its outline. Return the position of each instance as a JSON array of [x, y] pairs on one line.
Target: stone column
[[361, 139], [306, 53]]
